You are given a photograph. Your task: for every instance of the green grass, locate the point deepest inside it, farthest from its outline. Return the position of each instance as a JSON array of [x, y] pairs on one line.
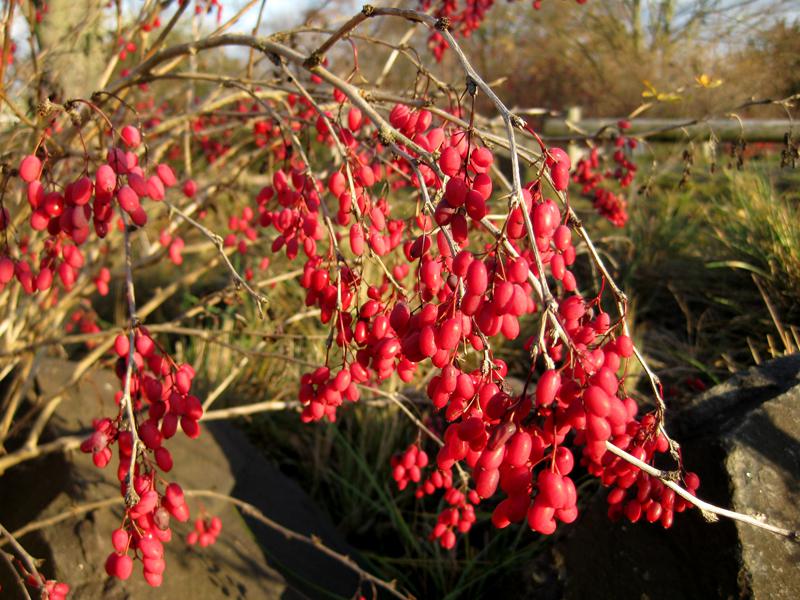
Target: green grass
[[688, 259]]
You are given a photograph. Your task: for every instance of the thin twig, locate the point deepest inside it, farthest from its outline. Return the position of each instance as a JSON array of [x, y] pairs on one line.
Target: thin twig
[[75, 511], [314, 542], [260, 299]]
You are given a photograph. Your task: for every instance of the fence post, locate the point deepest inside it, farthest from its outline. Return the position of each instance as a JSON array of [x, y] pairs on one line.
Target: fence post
[[574, 117]]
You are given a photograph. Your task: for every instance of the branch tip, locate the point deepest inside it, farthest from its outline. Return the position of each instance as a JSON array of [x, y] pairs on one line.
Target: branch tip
[[312, 61]]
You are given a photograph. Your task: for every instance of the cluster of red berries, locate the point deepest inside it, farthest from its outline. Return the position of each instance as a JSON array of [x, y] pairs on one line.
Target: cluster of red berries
[[464, 298], [458, 516], [467, 297], [174, 245], [127, 47], [416, 124], [407, 467], [164, 389], [472, 196], [83, 320], [68, 217], [145, 530], [634, 493], [205, 533], [167, 390], [442, 295], [102, 280], [297, 222], [590, 175], [242, 232], [212, 142], [322, 392], [214, 133], [378, 230]]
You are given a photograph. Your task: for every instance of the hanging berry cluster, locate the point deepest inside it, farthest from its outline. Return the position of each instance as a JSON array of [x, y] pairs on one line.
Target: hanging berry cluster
[[591, 176], [465, 295], [205, 532], [87, 205], [163, 389]]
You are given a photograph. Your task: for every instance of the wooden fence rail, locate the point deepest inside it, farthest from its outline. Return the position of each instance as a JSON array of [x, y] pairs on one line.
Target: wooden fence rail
[[721, 130]]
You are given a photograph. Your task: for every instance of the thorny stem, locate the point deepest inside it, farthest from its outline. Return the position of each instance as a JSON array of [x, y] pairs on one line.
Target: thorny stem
[[316, 57], [126, 403], [708, 510]]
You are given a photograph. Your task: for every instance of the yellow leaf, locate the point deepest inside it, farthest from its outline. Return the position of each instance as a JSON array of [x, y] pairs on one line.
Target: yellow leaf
[[704, 81], [650, 91]]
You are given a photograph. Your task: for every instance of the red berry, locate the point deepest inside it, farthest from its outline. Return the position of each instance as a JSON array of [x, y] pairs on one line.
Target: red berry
[[354, 119], [456, 191], [189, 188], [131, 136], [486, 481], [551, 489], [166, 175], [120, 540], [122, 345], [596, 401], [540, 518], [519, 449], [481, 160], [30, 168], [547, 388], [624, 346], [105, 179], [450, 161], [477, 279]]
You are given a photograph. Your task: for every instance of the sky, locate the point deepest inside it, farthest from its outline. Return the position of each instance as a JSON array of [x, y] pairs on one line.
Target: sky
[[278, 14]]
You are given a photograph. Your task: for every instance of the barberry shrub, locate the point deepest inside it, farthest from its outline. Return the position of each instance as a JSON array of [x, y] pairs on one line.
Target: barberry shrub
[[422, 256]]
